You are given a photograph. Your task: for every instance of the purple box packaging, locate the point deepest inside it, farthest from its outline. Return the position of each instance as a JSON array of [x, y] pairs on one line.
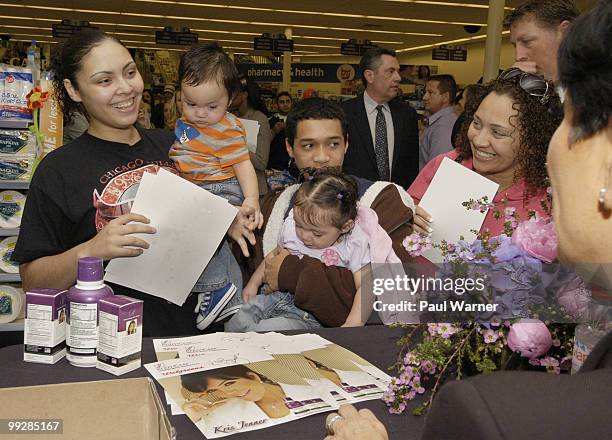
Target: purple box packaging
[[120, 334], [44, 338]]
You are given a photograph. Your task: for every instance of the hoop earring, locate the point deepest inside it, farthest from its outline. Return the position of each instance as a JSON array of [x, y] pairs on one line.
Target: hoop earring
[[602, 195]]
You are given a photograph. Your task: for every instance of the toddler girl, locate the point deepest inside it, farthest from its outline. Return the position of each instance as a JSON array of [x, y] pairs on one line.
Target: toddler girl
[[326, 223]]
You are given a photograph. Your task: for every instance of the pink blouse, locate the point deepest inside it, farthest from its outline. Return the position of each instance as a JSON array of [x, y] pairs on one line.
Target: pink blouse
[[513, 197]]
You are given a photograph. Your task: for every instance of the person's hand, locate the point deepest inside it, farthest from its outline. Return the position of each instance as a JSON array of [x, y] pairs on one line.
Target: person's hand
[[249, 292], [241, 229], [273, 262], [116, 239], [352, 322], [357, 425], [196, 409], [257, 217], [526, 66], [422, 221]]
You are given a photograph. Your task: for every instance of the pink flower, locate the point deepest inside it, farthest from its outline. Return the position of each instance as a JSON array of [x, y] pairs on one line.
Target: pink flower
[[428, 367], [549, 361], [537, 237], [410, 358], [490, 336], [432, 328], [529, 337], [446, 330], [574, 297], [330, 257], [415, 244]]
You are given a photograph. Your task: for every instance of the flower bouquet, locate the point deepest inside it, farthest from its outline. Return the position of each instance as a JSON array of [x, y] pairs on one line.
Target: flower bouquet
[[531, 325]]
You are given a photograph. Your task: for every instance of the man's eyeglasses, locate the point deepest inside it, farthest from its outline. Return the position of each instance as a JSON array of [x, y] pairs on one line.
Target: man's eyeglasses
[[533, 85]]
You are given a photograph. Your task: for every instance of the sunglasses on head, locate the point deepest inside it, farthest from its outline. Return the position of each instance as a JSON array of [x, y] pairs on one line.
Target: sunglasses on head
[[533, 85]]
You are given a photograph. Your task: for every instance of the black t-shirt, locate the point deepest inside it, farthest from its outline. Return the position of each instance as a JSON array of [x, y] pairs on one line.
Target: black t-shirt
[[77, 189]]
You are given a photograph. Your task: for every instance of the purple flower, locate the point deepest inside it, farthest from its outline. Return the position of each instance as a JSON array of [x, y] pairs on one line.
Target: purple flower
[[495, 322], [433, 329], [506, 250], [573, 296]]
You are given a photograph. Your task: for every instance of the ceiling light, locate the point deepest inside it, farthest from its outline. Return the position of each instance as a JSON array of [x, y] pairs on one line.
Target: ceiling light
[[303, 12], [459, 40], [436, 3]]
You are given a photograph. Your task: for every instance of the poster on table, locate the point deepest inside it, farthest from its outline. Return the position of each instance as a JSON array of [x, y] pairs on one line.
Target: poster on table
[[237, 390]]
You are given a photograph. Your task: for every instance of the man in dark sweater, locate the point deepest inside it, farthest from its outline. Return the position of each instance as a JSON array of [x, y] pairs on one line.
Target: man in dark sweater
[[316, 133]]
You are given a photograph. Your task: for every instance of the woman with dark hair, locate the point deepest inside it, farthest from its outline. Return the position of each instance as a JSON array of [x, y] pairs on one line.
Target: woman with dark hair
[[248, 104], [206, 391], [504, 138], [80, 197]]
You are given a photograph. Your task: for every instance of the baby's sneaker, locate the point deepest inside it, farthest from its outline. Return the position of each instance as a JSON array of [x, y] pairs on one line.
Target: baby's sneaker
[[210, 304]]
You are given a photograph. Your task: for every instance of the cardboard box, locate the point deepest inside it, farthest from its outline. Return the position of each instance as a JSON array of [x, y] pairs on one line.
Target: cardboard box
[[119, 334], [44, 338], [109, 409]]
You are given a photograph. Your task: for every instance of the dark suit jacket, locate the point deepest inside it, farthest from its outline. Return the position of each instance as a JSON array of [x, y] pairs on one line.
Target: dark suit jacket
[[360, 159], [521, 405]]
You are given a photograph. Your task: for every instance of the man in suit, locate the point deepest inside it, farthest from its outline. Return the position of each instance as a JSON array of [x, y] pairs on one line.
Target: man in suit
[[383, 134]]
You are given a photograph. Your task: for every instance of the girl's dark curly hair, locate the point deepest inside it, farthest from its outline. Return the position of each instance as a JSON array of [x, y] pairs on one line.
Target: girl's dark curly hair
[[536, 123], [66, 63]]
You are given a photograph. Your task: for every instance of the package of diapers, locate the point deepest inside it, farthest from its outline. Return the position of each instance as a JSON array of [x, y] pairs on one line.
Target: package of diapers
[[11, 208]]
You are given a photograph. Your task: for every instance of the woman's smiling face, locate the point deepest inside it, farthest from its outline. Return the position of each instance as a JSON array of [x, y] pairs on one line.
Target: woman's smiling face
[[247, 388], [109, 86], [494, 137]]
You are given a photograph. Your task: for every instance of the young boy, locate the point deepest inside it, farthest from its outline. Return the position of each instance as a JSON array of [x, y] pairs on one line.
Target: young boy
[[210, 150]]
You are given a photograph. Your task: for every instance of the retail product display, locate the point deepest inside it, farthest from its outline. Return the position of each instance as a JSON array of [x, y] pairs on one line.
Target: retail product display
[[7, 246], [33, 61], [120, 334], [11, 208], [82, 324], [22, 142], [11, 303], [15, 84], [45, 334]]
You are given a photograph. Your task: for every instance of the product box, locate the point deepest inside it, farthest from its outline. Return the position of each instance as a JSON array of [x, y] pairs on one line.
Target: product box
[[16, 167], [18, 142], [109, 409], [119, 334], [44, 338]]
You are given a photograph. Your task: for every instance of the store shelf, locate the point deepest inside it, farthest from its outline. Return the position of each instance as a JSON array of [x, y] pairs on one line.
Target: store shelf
[[14, 184], [15, 326], [16, 124], [10, 278], [9, 232]]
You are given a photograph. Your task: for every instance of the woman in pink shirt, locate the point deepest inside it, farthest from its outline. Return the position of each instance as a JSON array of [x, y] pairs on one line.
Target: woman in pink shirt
[[504, 138]]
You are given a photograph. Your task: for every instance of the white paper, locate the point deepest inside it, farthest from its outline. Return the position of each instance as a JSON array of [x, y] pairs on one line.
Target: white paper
[[252, 130], [190, 223], [452, 185], [183, 365]]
